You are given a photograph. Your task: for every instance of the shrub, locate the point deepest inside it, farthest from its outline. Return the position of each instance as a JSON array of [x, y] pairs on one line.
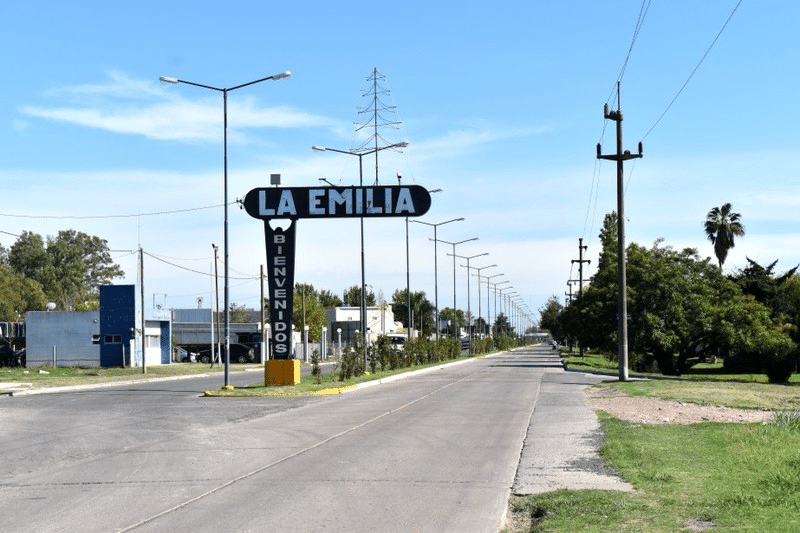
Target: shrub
[[779, 363], [316, 370]]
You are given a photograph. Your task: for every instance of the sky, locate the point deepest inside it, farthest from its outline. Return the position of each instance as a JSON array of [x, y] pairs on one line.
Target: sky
[[501, 103]]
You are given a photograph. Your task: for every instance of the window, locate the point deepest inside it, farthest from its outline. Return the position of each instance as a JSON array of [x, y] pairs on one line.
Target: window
[[113, 339], [95, 339], [152, 341]]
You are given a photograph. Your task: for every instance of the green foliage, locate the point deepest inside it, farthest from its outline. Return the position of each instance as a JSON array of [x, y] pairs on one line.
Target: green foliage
[[422, 311], [384, 353], [502, 326], [18, 295], [502, 342], [482, 345], [352, 297], [316, 370], [681, 310], [549, 315], [307, 310], [721, 226], [70, 267]]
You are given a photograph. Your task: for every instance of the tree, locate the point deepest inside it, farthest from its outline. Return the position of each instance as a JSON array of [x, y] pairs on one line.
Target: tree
[[502, 326], [352, 297], [328, 299], [549, 316], [447, 314], [422, 310], [18, 295], [721, 226], [70, 267], [308, 311]]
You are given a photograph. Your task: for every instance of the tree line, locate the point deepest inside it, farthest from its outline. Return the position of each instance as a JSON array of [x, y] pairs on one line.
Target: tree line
[[67, 270], [682, 309]]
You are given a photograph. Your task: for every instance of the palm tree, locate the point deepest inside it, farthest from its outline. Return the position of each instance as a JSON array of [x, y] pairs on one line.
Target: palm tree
[[722, 225]]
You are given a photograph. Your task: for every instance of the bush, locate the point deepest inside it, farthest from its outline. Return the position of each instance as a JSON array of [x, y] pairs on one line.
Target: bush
[[779, 363], [316, 370]]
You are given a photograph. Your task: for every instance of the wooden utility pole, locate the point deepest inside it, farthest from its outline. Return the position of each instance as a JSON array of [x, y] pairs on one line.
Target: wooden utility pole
[[580, 261], [622, 305]]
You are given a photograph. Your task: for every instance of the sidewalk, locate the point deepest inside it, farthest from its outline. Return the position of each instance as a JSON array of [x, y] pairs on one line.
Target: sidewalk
[[561, 449]]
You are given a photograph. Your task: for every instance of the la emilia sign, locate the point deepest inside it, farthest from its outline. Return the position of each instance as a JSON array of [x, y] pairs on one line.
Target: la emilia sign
[[277, 204], [338, 202]]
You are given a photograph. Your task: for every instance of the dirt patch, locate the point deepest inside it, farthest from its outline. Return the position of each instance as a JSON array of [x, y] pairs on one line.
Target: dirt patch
[[643, 410]]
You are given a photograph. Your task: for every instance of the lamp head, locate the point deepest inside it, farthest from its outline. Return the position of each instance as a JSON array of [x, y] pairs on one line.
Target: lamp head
[[166, 80], [318, 148], [281, 75]]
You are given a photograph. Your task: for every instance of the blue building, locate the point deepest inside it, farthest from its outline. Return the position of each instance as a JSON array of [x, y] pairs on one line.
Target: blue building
[[111, 336]]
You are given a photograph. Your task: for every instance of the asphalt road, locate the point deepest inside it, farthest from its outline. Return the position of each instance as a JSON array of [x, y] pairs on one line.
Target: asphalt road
[[434, 452]]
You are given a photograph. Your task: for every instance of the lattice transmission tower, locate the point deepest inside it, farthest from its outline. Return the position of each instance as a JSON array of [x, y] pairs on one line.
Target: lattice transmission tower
[[375, 116]]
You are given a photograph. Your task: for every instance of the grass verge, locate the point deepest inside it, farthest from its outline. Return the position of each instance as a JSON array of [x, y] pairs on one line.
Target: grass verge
[[63, 376], [329, 384], [700, 477]]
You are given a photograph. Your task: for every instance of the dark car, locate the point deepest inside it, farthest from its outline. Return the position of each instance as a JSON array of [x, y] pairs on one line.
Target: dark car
[[239, 354], [11, 357]]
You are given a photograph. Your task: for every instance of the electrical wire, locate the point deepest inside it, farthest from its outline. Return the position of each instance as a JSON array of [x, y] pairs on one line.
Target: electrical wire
[[89, 217], [695, 70]]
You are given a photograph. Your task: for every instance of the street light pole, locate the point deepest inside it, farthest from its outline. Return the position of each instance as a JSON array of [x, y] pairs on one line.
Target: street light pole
[[435, 266], [469, 298], [224, 91], [489, 302], [455, 311], [360, 154]]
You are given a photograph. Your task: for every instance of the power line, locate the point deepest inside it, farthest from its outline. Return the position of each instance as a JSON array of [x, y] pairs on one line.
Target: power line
[[87, 217], [693, 71]]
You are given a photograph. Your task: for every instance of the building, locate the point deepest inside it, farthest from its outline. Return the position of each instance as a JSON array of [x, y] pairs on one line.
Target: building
[[110, 336], [380, 321]]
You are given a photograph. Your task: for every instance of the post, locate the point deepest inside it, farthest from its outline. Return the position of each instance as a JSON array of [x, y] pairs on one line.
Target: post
[[141, 290], [622, 304]]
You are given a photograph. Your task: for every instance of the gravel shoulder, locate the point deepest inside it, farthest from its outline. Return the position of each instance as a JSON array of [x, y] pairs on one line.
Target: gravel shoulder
[[653, 411]]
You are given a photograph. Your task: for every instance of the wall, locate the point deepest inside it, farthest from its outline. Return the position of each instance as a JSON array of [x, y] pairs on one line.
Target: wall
[[74, 334]]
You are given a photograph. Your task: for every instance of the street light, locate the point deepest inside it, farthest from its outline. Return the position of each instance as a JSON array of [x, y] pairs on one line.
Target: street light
[[479, 281], [469, 298], [455, 313], [408, 270], [495, 299], [435, 267], [361, 154], [224, 90]]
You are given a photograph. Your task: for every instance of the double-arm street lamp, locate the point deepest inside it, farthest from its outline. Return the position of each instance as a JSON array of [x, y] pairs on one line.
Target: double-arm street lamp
[[479, 285], [469, 298], [435, 267], [455, 312], [360, 154], [225, 91]]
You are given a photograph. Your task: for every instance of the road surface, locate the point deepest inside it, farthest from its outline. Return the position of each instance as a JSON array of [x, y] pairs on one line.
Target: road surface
[[436, 452]]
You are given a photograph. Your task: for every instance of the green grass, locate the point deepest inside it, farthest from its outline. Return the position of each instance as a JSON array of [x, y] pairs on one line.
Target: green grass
[[702, 371], [330, 383], [62, 376], [58, 377], [732, 477]]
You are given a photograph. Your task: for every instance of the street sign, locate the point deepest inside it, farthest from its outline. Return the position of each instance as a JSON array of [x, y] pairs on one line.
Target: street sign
[[338, 202]]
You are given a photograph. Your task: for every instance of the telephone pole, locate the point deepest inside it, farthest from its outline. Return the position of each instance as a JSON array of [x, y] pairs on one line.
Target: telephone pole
[[580, 261], [622, 305]]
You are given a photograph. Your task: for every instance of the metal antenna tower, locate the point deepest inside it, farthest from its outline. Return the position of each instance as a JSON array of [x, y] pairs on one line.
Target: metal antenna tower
[[375, 115]]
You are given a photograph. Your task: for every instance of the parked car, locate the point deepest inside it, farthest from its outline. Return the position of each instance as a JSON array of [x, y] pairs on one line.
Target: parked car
[[11, 357], [239, 354]]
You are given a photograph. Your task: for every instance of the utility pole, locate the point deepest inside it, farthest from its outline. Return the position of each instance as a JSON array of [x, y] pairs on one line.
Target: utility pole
[[622, 305], [580, 262]]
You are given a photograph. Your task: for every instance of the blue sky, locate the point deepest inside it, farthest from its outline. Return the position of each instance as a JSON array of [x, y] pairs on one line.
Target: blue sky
[[501, 102]]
